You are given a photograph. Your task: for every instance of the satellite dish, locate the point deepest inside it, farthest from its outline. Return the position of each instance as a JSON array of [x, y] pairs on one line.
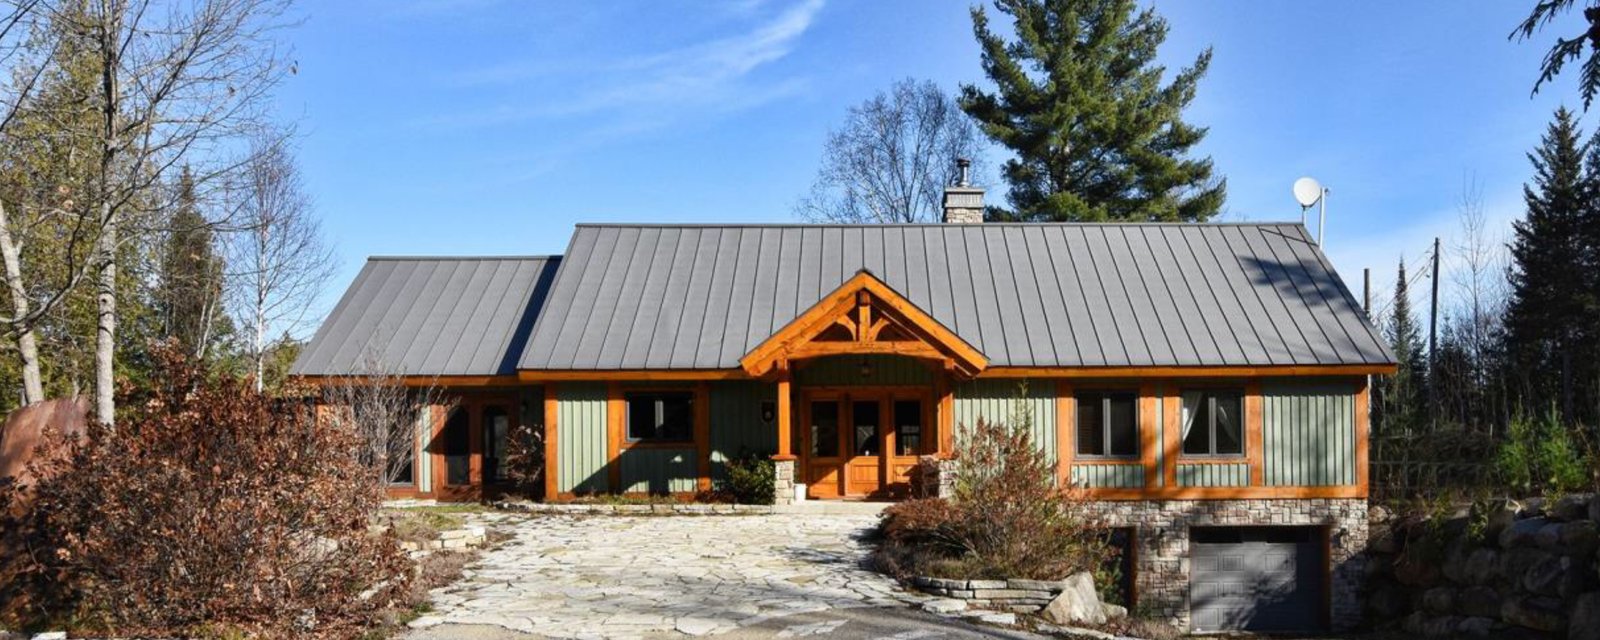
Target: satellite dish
[[1307, 191]]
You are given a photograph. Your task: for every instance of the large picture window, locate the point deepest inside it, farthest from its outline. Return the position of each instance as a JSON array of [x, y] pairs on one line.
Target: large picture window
[[660, 417], [1213, 422], [1108, 424]]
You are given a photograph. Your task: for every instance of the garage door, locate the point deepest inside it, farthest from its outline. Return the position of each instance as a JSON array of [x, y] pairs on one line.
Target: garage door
[[1256, 579]]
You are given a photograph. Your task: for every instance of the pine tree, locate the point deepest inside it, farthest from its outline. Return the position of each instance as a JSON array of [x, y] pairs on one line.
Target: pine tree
[[1080, 102], [1402, 404], [191, 275], [1550, 322]]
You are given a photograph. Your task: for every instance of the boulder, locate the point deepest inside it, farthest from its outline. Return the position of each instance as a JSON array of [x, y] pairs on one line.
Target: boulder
[[1455, 562], [1578, 538], [1439, 600], [1540, 613], [1076, 604], [1522, 533], [1496, 514], [1388, 602], [1416, 573], [1572, 507], [1514, 563], [1475, 627], [1481, 566], [1478, 602], [1585, 621], [1384, 539], [1545, 577], [1532, 508], [1114, 611], [1594, 508]]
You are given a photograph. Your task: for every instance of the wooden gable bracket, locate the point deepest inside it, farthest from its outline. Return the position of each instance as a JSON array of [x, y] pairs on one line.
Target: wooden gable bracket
[[865, 316]]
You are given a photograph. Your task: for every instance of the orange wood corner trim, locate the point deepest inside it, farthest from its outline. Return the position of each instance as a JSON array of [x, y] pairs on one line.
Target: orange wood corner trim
[[1066, 445], [702, 435], [614, 413], [1172, 409], [1147, 433], [785, 411], [551, 460], [1363, 433]]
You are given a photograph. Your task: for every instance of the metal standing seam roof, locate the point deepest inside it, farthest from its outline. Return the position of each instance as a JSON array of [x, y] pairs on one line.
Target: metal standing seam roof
[[1027, 295], [432, 316]]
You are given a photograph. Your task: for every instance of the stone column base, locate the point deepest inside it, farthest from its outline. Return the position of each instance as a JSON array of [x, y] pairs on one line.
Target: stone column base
[[783, 482]]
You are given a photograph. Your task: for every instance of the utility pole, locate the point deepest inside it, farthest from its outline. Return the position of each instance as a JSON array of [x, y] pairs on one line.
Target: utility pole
[[1433, 336]]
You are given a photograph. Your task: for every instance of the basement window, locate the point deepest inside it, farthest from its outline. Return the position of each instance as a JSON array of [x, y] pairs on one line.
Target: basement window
[[1108, 424], [660, 417], [1213, 422]]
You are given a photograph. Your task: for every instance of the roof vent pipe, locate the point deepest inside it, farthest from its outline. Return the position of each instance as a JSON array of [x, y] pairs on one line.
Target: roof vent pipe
[[963, 203]]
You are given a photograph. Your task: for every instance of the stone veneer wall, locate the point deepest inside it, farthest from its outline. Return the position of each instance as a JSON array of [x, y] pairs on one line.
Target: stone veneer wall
[[1163, 560]]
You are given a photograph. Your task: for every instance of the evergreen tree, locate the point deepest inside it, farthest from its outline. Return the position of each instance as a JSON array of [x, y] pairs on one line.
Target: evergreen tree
[[1079, 100], [191, 275], [1402, 403], [1550, 322]]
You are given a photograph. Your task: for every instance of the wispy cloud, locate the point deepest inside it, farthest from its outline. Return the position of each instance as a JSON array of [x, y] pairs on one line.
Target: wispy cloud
[[715, 75]]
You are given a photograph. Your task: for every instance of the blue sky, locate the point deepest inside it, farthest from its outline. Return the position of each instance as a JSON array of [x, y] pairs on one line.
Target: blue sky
[[491, 127]]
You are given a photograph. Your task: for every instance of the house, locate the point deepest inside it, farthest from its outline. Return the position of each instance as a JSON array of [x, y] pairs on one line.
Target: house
[[1206, 384]]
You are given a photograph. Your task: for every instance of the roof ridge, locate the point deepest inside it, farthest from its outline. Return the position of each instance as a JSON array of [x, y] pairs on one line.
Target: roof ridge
[[862, 225], [460, 258]]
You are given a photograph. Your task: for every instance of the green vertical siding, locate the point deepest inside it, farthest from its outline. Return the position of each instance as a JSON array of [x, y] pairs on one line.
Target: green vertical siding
[[846, 371], [736, 424], [658, 470], [581, 438], [1213, 475], [996, 400], [1308, 434], [1121, 476]]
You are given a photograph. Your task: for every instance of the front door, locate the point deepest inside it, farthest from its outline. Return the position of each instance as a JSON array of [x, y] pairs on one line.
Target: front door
[[862, 443], [863, 473], [469, 447]]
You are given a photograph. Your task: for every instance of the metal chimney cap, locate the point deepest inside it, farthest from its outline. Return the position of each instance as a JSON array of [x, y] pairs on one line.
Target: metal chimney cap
[[963, 164]]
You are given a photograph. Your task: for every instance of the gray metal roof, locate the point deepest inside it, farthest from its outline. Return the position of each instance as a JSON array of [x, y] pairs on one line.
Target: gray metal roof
[[432, 316], [701, 296]]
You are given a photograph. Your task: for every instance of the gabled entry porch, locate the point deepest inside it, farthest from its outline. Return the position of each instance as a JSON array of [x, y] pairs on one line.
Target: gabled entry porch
[[860, 435]]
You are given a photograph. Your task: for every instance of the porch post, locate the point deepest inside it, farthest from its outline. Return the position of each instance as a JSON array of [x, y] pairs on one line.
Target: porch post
[[785, 411], [784, 462]]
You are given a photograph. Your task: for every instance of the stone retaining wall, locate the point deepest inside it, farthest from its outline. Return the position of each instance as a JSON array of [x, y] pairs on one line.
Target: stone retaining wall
[[1500, 568], [453, 539], [1018, 596], [1162, 534]]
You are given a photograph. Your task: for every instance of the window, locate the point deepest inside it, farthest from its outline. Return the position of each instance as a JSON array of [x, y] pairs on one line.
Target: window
[[1108, 424], [907, 427], [457, 448], [864, 416], [825, 429], [1213, 423], [660, 417], [496, 428]]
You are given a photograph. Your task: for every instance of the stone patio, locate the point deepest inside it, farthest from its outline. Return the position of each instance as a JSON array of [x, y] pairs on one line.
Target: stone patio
[[616, 576]]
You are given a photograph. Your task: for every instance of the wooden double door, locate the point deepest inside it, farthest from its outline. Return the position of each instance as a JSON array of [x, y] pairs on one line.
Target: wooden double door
[[469, 446], [863, 443]]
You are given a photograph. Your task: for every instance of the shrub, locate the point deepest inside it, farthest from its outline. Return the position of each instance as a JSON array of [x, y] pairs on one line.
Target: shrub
[[1540, 455], [524, 461], [207, 509], [751, 479], [1007, 519]]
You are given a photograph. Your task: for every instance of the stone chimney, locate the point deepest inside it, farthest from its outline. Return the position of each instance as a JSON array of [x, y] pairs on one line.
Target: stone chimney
[[963, 203]]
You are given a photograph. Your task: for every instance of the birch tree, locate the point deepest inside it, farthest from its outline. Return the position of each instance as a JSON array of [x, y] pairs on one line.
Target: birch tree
[[278, 258], [179, 82]]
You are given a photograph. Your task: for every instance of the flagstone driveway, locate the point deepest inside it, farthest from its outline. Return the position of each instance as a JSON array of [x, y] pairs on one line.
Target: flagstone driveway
[[620, 576]]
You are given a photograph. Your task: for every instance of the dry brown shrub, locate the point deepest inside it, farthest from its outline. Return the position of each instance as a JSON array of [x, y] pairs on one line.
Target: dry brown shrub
[[1007, 518], [209, 507]]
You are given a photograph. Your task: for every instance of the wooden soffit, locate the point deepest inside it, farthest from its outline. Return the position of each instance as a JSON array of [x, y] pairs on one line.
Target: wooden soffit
[[864, 316]]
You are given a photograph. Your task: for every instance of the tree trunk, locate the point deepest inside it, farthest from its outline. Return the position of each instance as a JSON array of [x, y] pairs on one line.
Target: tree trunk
[[105, 337], [22, 326]]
